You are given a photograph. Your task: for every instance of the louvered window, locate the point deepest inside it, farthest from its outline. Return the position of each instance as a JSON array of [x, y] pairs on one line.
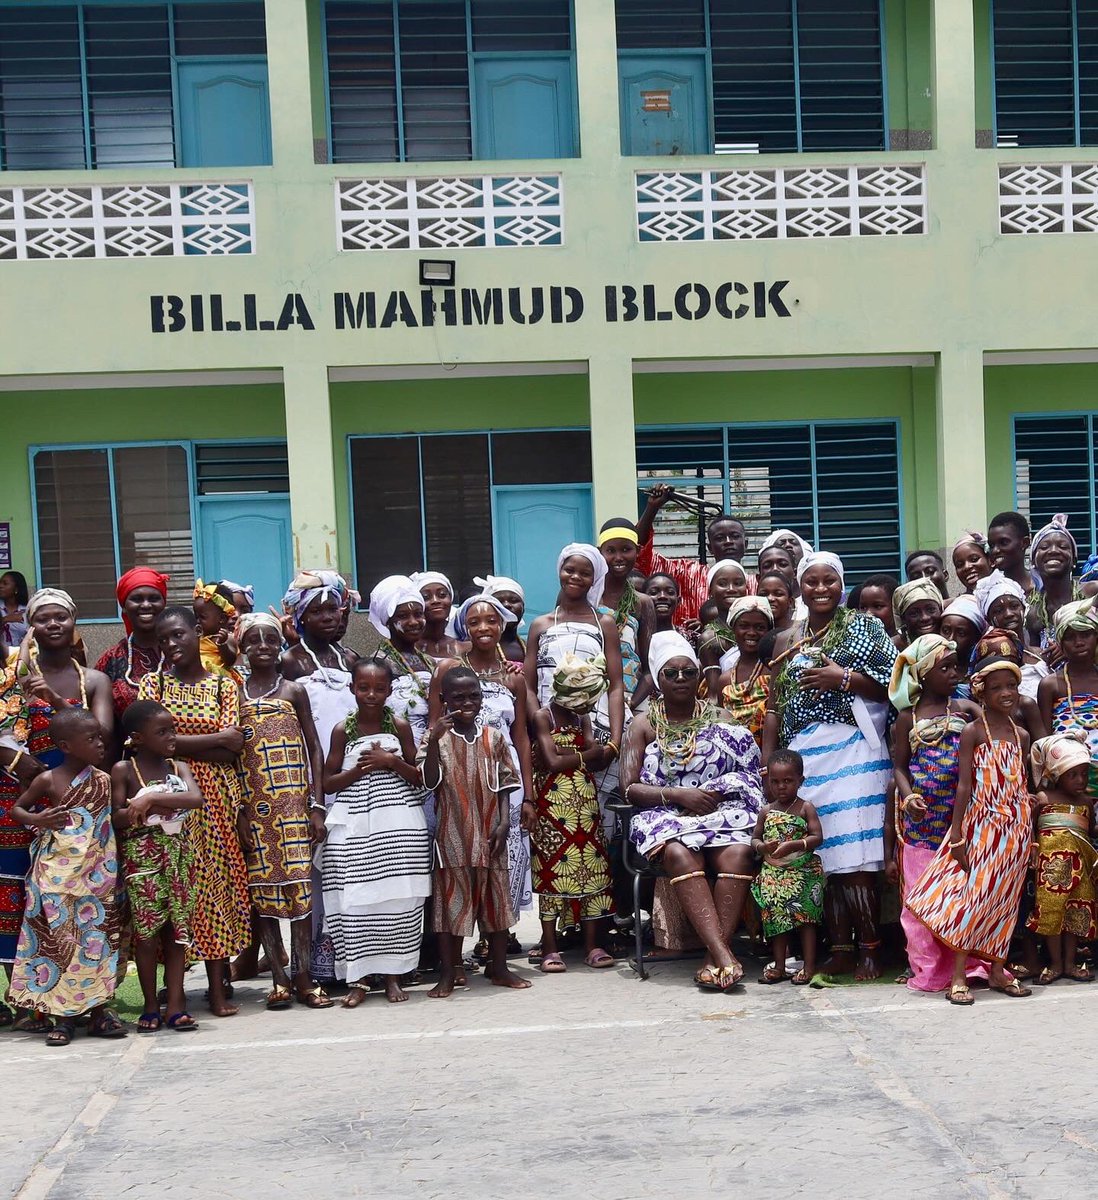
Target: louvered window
[[1046, 72], [242, 468], [92, 85], [101, 511], [785, 74], [836, 484], [402, 73], [1054, 465]]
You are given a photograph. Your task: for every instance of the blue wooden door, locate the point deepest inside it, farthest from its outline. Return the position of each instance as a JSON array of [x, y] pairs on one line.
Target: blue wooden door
[[224, 113], [530, 527], [524, 108], [664, 104], [247, 539]]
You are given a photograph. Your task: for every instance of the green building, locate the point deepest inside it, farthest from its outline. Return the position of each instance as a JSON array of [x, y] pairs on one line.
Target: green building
[[387, 284]]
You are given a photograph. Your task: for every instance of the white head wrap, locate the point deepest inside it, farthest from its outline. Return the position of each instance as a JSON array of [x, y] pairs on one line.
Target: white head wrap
[[48, 595], [665, 646], [388, 596], [746, 604], [966, 606], [711, 574], [422, 578], [992, 586], [778, 535], [457, 626], [598, 565], [492, 585], [821, 558]]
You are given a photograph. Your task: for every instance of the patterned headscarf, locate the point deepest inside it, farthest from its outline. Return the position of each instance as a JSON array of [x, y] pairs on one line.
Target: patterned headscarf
[[1052, 756], [992, 587], [997, 650], [459, 619], [133, 579], [49, 595], [245, 589], [579, 682], [250, 620], [1058, 524], [717, 567], [208, 591], [746, 604], [966, 606], [1079, 614], [970, 537], [308, 586], [821, 558], [388, 596], [598, 565], [911, 593], [912, 665]]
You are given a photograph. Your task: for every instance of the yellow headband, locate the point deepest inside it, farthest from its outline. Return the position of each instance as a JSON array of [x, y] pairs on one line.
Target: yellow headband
[[619, 531], [208, 591]]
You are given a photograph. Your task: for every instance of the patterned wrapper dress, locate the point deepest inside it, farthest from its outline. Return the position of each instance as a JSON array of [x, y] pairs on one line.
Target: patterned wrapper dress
[[570, 860], [125, 664], [274, 769], [1080, 715], [975, 911], [67, 959], [1065, 898], [159, 870], [933, 770], [746, 702], [221, 917], [15, 838], [789, 891], [376, 866]]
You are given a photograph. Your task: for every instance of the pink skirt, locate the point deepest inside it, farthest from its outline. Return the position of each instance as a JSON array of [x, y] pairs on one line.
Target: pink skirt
[[930, 960]]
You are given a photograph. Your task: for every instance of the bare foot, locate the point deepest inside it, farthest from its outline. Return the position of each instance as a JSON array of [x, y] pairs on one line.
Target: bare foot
[[868, 967], [839, 962], [461, 980], [358, 992], [444, 987], [394, 993], [246, 965], [508, 979], [222, 1008]]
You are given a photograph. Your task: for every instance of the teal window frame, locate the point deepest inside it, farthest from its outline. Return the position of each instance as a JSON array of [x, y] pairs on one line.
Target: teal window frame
[[797, 81], [472, 58], [195, 500], [1072, 493], [81, 7]]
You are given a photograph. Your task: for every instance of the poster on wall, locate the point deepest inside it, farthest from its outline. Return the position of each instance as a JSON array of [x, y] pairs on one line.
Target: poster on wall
[[5, 545]]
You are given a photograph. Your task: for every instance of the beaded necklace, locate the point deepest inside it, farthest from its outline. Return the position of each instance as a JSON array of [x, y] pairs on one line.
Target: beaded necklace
[[678, 740], [919, 738], [1039, 603], [404, 661], [1011, 778], [491, 671], [1085, 722], [128, 677], [263, 695], [334, 678]]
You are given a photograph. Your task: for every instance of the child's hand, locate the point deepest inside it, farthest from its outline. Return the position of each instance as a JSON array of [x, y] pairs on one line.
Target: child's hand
[[442, 726], [914, 806], [959, 855], [375, 759], [497, 843], [220, 637], [140, 806], [27, 768], [317, 828], [48, 818], [529, 816], [510, 667], [892, 871], [231, 738]]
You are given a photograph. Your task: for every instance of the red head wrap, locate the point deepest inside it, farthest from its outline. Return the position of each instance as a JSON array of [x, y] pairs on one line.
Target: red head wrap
[[135, 578]]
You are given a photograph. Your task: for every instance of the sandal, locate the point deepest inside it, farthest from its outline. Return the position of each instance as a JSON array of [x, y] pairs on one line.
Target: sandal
[[279, 998], [30, 1022], [107, 1025], [800, 978], [1049, 975], [726, 978], [959, 993], [1021, 971], [514, 946], [1081, 974], [1013, 989], [553, 964], [598, 959], [536, 955], [149, 1022], [182, 1022], [61, 1033], [774, 974], [480, 951], [7, 1017], [315, 997], [706, 980]]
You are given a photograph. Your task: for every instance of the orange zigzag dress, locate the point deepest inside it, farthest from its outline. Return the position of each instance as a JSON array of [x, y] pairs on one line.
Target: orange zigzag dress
[[976, 912]]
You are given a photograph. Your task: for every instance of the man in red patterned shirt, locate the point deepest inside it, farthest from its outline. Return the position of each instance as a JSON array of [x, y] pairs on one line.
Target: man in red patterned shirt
[[725, 536]]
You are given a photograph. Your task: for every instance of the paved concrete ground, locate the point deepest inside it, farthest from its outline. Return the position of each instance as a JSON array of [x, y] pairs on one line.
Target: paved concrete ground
[[590, 1084]]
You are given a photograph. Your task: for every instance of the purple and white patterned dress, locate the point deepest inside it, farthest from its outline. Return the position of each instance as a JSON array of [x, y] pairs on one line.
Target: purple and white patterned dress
[[726, 761]]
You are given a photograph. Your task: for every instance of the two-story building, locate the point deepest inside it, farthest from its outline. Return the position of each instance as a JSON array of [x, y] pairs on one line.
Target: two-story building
[[402, 283]]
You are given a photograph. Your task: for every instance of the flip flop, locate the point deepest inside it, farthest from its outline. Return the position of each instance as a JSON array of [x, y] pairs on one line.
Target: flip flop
[[279, 998], [1013, 989], [800, 978], [775, 975], [598, 959], [960, 994], [182, 1022], [149, 1022], [1047, 976], [107, 1025], [61, 1033], [1081, 974], [553, 964], [315, 997]]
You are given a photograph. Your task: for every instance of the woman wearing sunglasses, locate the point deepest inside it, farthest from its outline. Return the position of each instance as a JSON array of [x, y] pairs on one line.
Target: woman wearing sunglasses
[[693, 777]]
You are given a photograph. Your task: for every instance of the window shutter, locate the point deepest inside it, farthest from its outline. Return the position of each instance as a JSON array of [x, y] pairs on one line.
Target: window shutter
[[770, 471], [548, 456], [657, 25], [233, 29], [534, 25], [1086, 16], [1034, 72], [385, 500], [457, 506], [242, 467], [691, 461], [153, 508], [1054, 470], [362, 82], [434, 66], [75, 528], [41, 101]]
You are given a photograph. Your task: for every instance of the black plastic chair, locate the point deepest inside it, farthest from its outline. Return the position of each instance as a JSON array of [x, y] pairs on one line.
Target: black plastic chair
[[640, 868]]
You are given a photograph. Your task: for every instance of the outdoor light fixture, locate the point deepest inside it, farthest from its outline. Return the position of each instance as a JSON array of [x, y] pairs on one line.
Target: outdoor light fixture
[[436, 272]]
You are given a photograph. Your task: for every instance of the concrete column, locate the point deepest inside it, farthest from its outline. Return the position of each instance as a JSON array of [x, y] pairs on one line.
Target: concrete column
[[953, 75], [597, 79], [312, 469], [962, 471], [290, 83], [613, 447]]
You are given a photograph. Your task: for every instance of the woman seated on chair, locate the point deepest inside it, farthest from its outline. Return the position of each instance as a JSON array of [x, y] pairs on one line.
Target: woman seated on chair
[[693, 777]]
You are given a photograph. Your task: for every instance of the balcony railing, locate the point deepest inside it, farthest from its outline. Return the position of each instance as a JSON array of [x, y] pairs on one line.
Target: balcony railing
[[781, 202], [135, 220], [1048, 198], [449, 212]]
